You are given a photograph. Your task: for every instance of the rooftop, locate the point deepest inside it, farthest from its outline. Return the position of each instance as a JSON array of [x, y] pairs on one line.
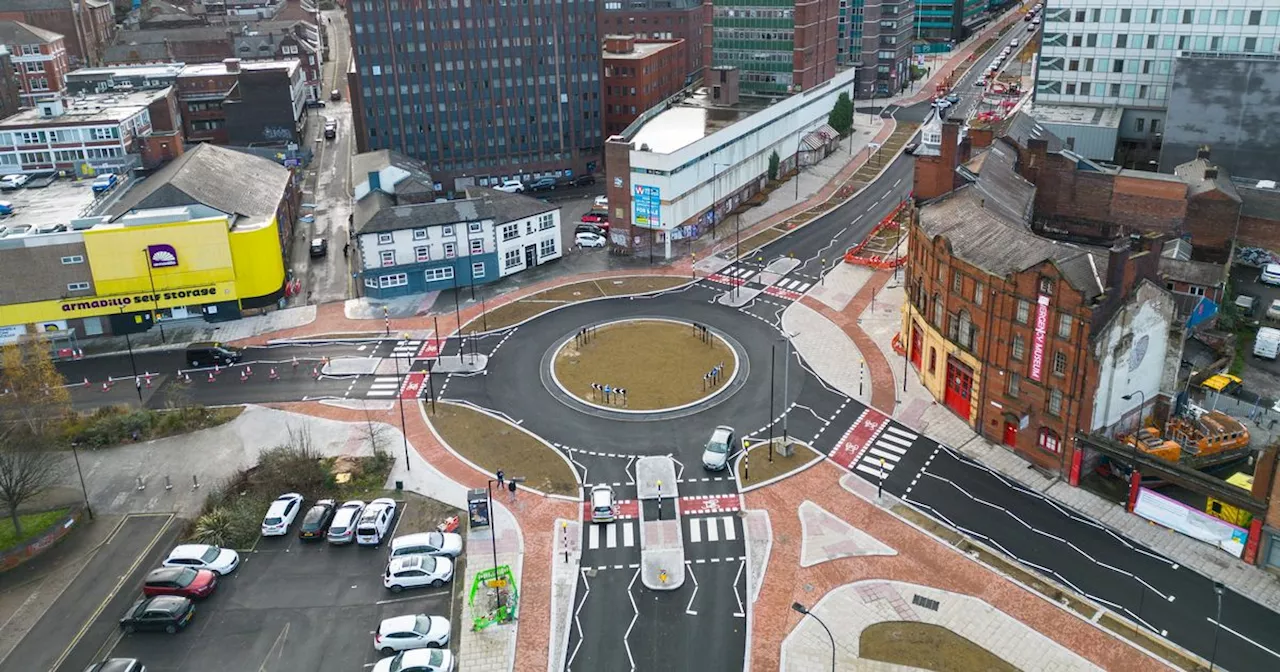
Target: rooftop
[[1203, 176], [17, 32], [643, 48], [150, 70], [223, 179], [1078, 115], [210, 69], [480, 204], [89, 108], [411, 176], [690, 120], [1259, 199], [56, 204]]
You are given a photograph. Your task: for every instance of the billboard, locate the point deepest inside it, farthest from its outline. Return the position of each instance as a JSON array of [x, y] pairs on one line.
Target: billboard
[[1194, 523], [648, 206], [1038, 344]]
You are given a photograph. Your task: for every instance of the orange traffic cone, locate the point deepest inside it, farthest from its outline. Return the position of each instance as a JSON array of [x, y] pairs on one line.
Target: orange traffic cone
[[315, 372], [86, 382], [211, 376], [272, 374], [248, 370], [147, 377], [243, 376], [106, 385]]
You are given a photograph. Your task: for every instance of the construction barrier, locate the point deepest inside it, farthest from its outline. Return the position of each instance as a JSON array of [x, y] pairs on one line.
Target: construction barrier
[[854, 254], [896, 342]]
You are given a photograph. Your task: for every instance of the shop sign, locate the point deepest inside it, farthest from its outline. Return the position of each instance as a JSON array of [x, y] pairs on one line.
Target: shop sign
[[11, 334], [141, 301], [648, 204], [162, 256], [1037, 345]]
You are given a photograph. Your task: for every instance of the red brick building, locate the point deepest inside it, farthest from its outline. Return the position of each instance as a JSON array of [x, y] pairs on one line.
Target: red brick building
[[659, 20], [87, 25], [39, 60], [638, 74]]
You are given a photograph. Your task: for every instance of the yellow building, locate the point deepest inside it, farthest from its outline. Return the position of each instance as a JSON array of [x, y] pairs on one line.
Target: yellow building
[[202, 238], [952, 376]]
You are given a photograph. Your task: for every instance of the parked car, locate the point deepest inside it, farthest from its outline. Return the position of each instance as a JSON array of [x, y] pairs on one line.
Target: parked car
[[1273, 311], [511, 186], [212, 353], [415, 631], [316, 523], [335, 95], [180, 581], [1028, 16], [1270, 274], [117, 665], [589, 240], [343, 528], [595, 218], [9, 182], [375, 521], [602, 504], [601, 202], [104, 183], [427, 543], [169, 613], [280, 515], [1014, 43], [421, 660], [584, 180], [330, 129], [319, 247], [203, 556], [716, 455], [543, 184], [416, 571], [315, 103], [6, 208], [589, 228]]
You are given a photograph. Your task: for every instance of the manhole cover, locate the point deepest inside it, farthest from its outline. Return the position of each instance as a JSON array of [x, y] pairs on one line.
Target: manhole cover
[[808, 587]]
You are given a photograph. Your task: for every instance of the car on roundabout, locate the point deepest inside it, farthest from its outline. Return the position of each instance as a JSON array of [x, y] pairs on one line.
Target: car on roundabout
[[715, 456]]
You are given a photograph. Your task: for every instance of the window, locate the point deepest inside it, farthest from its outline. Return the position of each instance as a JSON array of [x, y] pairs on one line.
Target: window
[[1015, 383], [978, 290], [1064, 326], [77, 287], [510, 231], [475, 227], [1140, 125], [450, 250], [1046, 286], [393, 280], [547, 247], [1122, 41], [448, 231], [422, 253], [1049, 441], [965, 332], [937, 310], [1018, 348], [957, 283], [74, 259], [1126, 15], [477, 270], [1059, 363], [1024, 311], [439, 273], [546, 221], [477, 246], [388, 257], [419, 234], [384, 239], [1255, 17], [511, 258], [371, 283], [1055, 402]]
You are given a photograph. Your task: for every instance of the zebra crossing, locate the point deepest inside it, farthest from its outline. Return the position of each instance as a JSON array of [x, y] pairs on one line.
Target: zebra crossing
[[406, 349], [612, 535], [886, 451], [384, 386], [742, 273], [711, 528], [793, 285]]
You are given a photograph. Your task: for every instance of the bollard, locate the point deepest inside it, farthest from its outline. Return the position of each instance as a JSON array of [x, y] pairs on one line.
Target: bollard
[[86, 382], [195, 482], [564, 527], [148, 377], [106, 385], [662, 575], [167, 484], [141, 486]]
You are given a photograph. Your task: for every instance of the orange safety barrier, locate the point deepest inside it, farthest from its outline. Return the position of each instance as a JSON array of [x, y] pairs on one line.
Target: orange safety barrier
[[897, 344], [853, 254]]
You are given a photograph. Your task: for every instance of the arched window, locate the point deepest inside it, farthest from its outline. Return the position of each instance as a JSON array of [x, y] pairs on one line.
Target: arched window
[[1049, 441], [937, 311], [965, 337]]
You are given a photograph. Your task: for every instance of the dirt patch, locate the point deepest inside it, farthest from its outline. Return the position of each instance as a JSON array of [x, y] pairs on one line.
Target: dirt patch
[[927, 647], [537, 304], [660, 364], [578, 291], [641, 284], [495, 444], [510, 314], [762, 469]]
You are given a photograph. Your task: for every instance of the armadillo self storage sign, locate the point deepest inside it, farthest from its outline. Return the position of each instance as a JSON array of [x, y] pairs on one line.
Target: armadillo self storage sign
[[91, 306]]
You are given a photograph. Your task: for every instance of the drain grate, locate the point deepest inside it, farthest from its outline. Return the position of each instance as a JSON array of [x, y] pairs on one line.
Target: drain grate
[[925, 602]]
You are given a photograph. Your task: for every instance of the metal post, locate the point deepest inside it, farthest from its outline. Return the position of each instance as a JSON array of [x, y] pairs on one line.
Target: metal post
[[155, 298], [493, 538], [880, 485], [457, 316], [1218, 589], [786, 407], [386, 320], [133, 365], [431, 386], [800, 608], [84, 490], [798, 143], [564, 527], [773, 366], [404, 433], [862, 372]]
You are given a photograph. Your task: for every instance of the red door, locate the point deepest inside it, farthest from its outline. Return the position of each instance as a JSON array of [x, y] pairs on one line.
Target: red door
[[959, 387], [917, 347], [1011, 434]]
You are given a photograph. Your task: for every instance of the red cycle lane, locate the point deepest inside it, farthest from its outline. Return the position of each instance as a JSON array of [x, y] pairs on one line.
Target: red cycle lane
[[699, 505], [411, 388], [859, 437]]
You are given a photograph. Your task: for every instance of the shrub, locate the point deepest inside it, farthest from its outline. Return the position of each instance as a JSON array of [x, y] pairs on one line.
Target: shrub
[[234, 524]]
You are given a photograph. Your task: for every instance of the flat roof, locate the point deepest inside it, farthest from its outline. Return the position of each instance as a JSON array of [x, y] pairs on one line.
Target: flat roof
[[691, 120], [149, 70], [207, 69], [58, 203], [1078, 115], [94, 107], [642, 49]]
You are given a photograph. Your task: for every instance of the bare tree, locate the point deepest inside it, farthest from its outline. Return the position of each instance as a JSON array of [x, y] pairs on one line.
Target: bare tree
[[28, 467], [377, 434]]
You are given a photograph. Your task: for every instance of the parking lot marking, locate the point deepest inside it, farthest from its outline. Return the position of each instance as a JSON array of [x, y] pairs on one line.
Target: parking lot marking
[[277, 648], [110, 596], [419, 595]]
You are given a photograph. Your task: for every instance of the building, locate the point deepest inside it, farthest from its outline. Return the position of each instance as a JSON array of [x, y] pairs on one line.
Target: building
[[39, 60], [682, 168], [201, 238], [87, 25], [528, 105], [86, 133], [122, 78], [1103, 55], [948, 20], [161, 14], [243, 103], [422, 247], [659, 20], [638, 74], [780, 46], [883, 47], [1027, 339], [10, 89]]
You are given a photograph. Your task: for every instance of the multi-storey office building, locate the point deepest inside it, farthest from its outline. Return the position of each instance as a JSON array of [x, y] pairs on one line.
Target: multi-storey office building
[[780, 46], [942, 20], [480, 90], [638, 74], [39, 60], [884, 53], [659, 20]]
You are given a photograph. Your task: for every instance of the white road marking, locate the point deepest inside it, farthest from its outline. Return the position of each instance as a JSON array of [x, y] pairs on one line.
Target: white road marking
[[611, 535], [713, 532], [893, 459], [902, 432], [891, 440], [730, 533], [695, 531], [628, 537], [593, 537], [688, 609]]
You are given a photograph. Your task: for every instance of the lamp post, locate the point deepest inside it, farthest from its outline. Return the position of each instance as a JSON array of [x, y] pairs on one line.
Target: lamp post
[[155, 298], [801, 609], [1141, 405], [85, 491], [1218, 589], [128, 343], [493, 533], [786, 370], [404, 434], [773, 367]]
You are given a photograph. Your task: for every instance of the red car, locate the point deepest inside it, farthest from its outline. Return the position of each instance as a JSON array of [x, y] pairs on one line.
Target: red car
[[181, 581], [595, 218]]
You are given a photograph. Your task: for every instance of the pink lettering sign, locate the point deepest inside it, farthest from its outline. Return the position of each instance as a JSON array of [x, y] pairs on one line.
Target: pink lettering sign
[[1037, 345]]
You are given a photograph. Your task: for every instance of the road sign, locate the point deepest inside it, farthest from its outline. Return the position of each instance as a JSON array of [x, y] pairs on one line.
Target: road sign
[[648, 204]]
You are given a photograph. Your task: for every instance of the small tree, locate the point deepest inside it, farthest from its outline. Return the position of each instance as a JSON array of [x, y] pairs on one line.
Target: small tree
[[841, 116], [774, 162], [33, 399], [376, 433], [27, 469]]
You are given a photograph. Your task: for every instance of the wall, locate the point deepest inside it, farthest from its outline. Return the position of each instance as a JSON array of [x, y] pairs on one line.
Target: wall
[[669, 22], [1131, 358], [119, 264], [258, 260], [935, 349], [264, 109], [531, 233], [403, 244], [33, 268]]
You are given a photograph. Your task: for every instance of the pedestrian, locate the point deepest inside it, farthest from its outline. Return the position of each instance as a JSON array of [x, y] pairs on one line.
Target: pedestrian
[[511, 488], [500, 477]]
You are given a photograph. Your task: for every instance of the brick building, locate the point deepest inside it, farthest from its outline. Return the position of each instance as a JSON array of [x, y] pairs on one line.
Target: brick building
[[254, 103], [659, 20], [88, 25], [10, 90], [1029, 339], [39, 60], [638, 74]]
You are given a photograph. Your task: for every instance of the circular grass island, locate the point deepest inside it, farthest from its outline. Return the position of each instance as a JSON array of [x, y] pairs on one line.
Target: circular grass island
[[660, 363]]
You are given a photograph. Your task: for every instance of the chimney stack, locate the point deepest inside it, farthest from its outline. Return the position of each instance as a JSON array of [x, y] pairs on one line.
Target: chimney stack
[[232, 65], [1211, 173], [1117, 260], [1202, 152]]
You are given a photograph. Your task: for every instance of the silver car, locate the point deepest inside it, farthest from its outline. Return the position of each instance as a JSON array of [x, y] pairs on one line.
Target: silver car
[[716, 455], [343, 528]]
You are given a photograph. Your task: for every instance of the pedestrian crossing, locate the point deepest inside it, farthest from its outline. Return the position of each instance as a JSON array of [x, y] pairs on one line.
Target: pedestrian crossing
[[711, 528], [885, 452], [740, 272], [384, 386], [406, 349], [793, 285], [611, 535]]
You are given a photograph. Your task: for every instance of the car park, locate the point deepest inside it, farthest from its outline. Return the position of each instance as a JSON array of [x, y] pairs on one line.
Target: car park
[[212, 353], [343, 528], [1273, 311], [280, 515], [418, 660], [603, 509], [716, 455], [104, 183], [117, 665], [427, 543], [595, 218], [203, 556], [1270, 275], [414, 631], [543, 184], [319, 247], [589, 240], [417, 571], [180, 581], [168, 613], [10, 182], [375, 521], [511, 186], [315, 525]]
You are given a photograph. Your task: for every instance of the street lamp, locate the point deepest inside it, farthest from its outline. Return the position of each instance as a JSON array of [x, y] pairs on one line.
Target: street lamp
[[786, 370], [132, 364], [801, 609], [403, 432], [1218, 589], [1141, 405], [493, 532], [83, 489]]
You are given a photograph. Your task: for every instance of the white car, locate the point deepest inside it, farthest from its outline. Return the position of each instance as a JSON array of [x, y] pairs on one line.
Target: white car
[[1014, 43], [422, 660], [343, 528], [601, 202], [1270, 274], [280, 515], [416, 571], [447, 544], [602, 504], [375, 521], [585, 239], [13, 181], [203, 556], [511, 186], [419, 631]]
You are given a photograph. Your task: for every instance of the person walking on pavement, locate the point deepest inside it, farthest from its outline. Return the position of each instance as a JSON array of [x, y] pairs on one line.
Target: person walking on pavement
[[500, 476], [511, 487], [346, 250]]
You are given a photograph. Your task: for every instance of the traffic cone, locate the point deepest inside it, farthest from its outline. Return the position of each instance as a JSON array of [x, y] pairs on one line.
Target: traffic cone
[[106, 385], [272, 374], [295, 361], [248, 370], [148, 379], [211, 376], [186, 377], [315, 372], [217, 370], [86, 382], [243, 376]]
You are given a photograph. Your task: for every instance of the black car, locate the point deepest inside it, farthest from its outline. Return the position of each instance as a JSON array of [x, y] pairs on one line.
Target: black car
[[584, 180], [163, 612], [316, 523], [209, 353], [319, 247], [315, 102], [544, 184]]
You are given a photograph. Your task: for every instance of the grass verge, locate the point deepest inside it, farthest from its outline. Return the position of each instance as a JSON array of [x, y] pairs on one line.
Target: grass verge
[[495, 444], [536, 304], [761, 239], [762, 469], [33, 525], [116, 425], [927, 647]]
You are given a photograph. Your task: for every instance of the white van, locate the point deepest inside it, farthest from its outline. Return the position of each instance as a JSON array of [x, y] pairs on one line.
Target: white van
[[1267, 343], [375, 521]]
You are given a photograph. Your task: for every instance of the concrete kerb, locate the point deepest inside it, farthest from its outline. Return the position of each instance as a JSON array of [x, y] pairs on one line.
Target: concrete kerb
[[994, 570], [753, 595], [558, 651], [422, 410], [743, 489]]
